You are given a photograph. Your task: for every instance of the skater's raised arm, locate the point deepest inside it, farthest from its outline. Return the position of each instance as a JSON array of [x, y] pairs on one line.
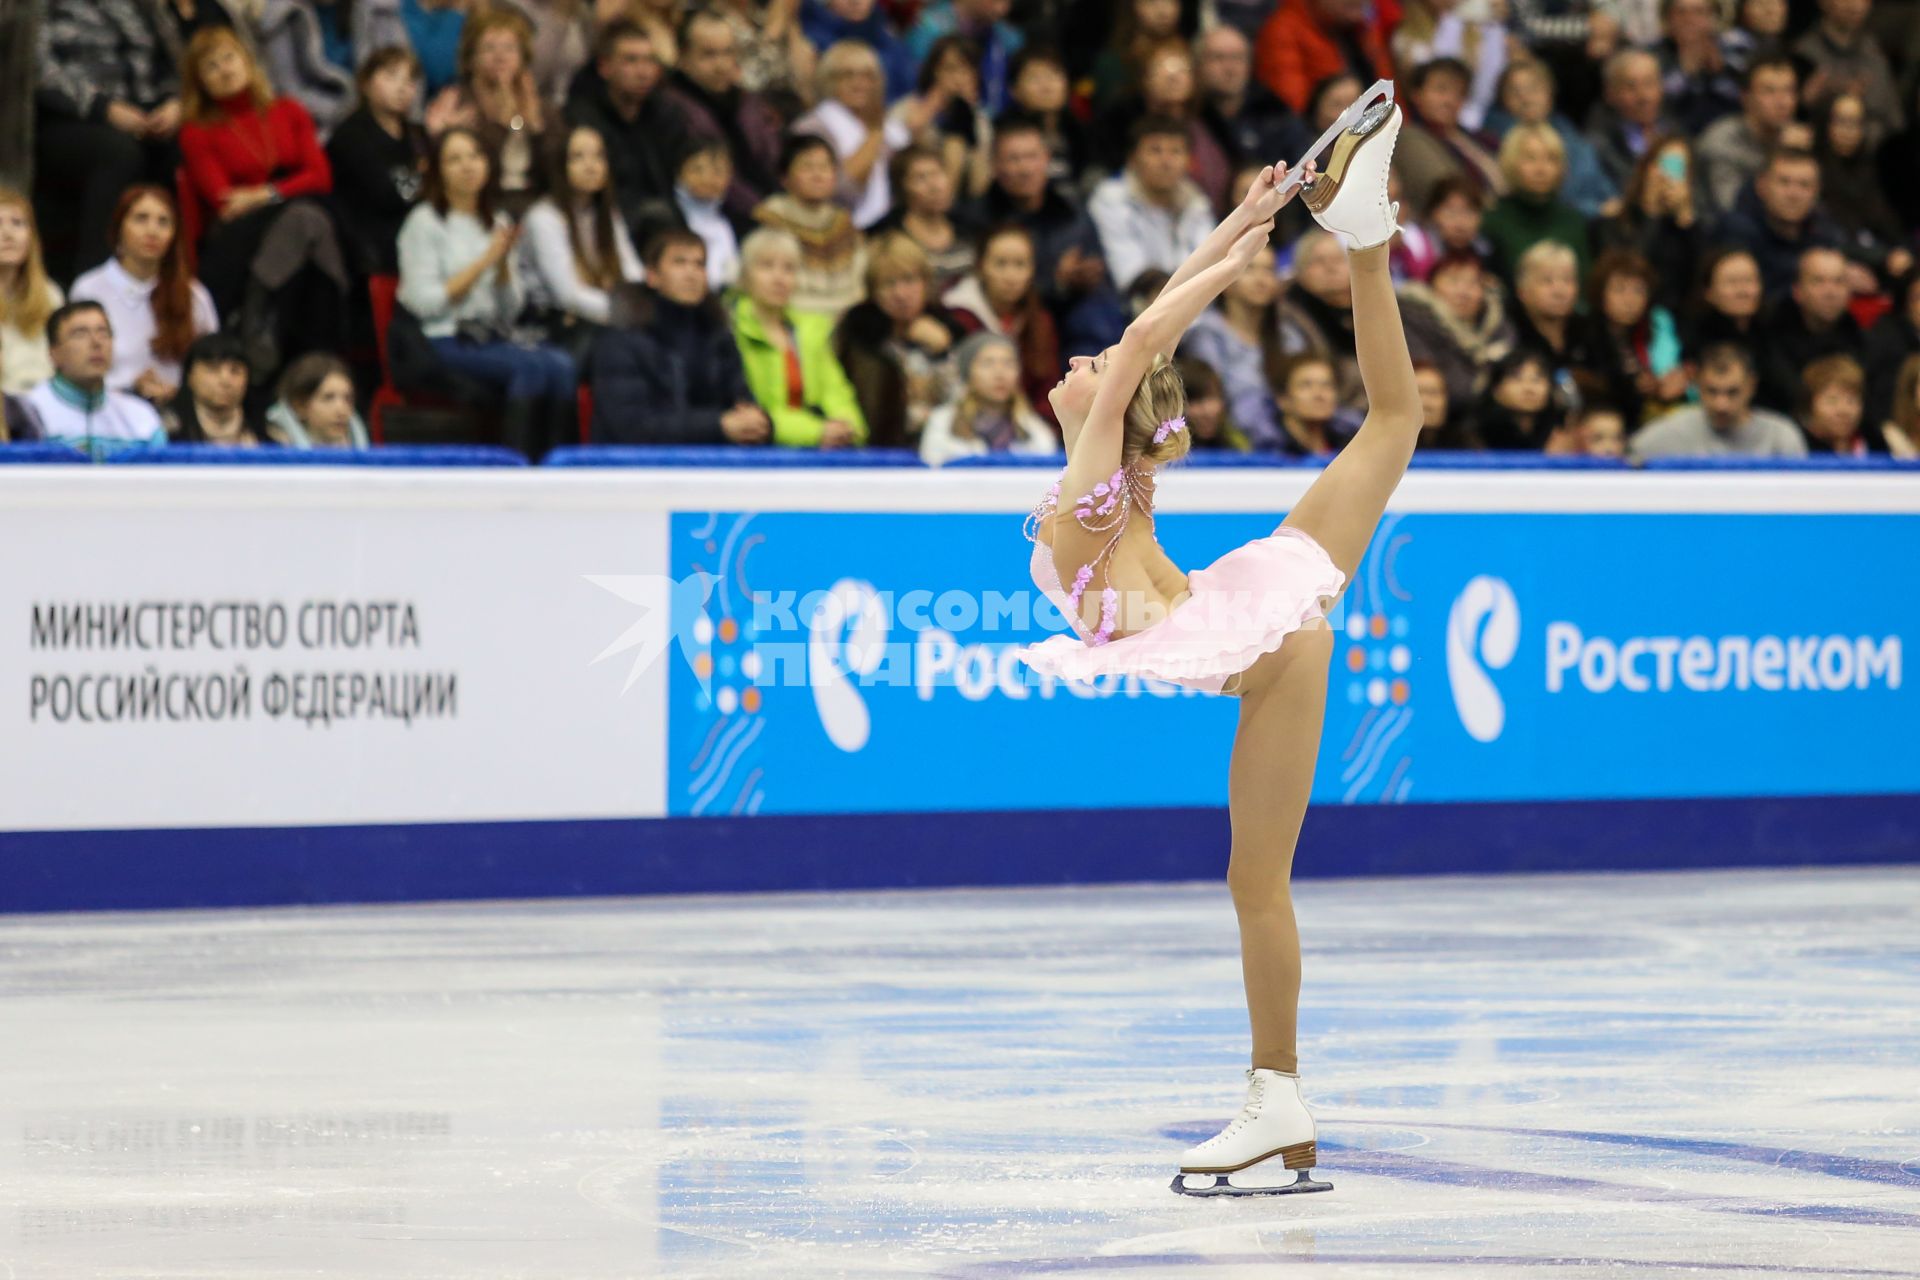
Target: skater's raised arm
[[1161, 326], [1263, 202], [1153, 334]]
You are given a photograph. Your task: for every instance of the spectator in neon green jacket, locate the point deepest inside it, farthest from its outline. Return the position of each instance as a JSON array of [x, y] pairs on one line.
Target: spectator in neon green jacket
[[788, 354]]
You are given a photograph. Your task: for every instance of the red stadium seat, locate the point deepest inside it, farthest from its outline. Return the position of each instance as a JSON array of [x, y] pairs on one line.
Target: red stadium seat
[[1869, 307], [381, 291], [193, 218]]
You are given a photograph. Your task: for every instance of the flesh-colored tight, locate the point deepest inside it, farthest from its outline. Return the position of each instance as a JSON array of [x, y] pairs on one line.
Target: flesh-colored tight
[[1283, 696]]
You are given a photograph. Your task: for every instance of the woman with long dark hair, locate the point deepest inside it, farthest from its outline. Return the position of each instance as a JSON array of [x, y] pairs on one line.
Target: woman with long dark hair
[[1850, 187], [459, 279], [211, 408], [1657, 219], [1139, 28], [947, 117], [574, 243], [153, 302]]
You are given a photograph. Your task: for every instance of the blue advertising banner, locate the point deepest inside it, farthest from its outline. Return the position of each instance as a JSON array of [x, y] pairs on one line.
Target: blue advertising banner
[[863, 663]]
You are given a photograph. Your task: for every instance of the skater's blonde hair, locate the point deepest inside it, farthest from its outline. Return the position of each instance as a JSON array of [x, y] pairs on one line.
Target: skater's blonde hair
[[1160, 397]]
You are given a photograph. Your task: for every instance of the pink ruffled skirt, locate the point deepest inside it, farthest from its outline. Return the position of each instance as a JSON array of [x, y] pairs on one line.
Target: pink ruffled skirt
[[1240, 607]]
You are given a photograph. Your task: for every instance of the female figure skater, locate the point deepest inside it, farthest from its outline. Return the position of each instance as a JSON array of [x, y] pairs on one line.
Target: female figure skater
[[1250, 625]]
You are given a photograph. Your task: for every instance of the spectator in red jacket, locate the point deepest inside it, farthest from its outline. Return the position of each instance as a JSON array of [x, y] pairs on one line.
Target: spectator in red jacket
[[1305, 41], [254, 164]]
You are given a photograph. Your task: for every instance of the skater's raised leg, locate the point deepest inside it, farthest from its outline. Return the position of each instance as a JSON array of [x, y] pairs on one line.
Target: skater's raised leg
[[1344, 504]]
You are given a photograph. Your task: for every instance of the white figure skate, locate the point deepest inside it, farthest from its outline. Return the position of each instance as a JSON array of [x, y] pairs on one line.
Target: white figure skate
[[1273, 1134], [1348, 194]]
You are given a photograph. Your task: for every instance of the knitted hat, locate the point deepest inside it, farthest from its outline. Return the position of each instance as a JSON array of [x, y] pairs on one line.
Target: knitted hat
[[965, 354]]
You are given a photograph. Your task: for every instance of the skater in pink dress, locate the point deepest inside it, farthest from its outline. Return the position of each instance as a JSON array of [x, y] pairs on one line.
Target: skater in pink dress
[[1251, 625]]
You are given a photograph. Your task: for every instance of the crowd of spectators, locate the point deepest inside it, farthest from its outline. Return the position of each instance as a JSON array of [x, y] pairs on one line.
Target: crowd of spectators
[[1631, 227]]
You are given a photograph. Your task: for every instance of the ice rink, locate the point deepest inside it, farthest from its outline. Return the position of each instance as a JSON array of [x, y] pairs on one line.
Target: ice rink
[[1677, 1074]]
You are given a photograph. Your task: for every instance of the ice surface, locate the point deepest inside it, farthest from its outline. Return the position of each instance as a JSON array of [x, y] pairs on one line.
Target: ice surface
[[1620, 1076]]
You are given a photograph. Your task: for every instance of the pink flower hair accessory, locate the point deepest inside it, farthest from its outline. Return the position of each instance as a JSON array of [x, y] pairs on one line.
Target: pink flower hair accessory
[[1172, 426]]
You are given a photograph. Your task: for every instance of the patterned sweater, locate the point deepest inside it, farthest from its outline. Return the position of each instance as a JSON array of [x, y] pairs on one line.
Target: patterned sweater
[[95, 52]]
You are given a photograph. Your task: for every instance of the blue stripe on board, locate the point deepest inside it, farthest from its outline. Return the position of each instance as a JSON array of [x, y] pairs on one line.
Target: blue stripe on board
[[1271, 1262], [80, 870]]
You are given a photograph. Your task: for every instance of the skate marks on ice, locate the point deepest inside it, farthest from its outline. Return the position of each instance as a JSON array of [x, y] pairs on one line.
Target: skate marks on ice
[[1552, 1076]]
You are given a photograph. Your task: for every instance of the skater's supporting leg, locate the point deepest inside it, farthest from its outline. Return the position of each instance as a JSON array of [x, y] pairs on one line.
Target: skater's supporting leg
[[1343, 506], [1268, 782]]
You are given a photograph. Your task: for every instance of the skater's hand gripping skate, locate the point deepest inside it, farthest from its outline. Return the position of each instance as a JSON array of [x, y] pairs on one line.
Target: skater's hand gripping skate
[[1270, 192]]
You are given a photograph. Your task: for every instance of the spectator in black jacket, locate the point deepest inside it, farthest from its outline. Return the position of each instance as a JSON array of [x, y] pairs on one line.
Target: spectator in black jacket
[[1731, 296], [1633, 115], [1251, 125], [1520, 408], [1700, 87], [620, 95], [108, 111], [1779, 218], [705, 87], [1810, 322], [379, 159], [670, 373]]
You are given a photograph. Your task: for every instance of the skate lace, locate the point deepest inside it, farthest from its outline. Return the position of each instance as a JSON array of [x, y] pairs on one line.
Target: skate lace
[[1256, 1099], [1389, 207]]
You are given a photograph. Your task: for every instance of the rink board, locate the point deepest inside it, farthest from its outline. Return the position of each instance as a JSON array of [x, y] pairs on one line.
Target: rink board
[[333, 686]]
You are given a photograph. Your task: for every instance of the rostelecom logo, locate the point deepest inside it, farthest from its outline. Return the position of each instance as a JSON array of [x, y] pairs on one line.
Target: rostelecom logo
[[1483, 633]]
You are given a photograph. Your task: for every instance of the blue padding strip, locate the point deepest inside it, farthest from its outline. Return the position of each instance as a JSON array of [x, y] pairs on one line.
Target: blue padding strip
[[1815, 463], [421, 455], [38, 451], [646, 455], [63, 871], [1514, 461], [1036, 460]]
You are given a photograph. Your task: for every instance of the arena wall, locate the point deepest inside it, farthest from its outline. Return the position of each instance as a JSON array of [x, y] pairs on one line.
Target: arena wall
[[262, 685]]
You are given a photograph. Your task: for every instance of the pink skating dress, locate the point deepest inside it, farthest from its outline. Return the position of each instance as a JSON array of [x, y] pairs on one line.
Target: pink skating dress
[[1239, 607]]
